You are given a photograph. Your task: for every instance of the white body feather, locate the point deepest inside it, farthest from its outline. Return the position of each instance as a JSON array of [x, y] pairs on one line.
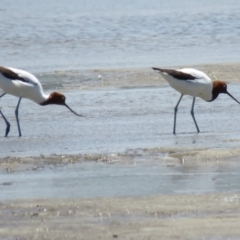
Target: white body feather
[[200, 87], [32, 89]]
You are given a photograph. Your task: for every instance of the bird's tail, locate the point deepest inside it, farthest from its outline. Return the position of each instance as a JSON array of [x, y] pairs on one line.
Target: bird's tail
[[157, 69]]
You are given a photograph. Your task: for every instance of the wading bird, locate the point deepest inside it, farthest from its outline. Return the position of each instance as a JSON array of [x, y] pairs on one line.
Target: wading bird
[[23, 84], [189, 81]]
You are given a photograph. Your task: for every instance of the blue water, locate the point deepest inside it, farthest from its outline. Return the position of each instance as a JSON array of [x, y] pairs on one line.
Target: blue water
[[87, 34]]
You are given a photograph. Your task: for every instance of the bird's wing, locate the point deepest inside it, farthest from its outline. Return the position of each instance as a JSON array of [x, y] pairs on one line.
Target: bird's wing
[[196, 73], [6, 72], [20, 75], [178, 74]]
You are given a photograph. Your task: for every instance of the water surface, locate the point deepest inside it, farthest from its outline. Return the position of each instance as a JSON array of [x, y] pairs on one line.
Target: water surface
[[116, 120], [89, 180], [46, 36]]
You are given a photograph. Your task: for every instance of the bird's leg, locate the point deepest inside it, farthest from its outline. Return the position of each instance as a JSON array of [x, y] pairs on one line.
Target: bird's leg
[[2, 95], [192, 113], [16, 114], [6, 121], [175, 114]]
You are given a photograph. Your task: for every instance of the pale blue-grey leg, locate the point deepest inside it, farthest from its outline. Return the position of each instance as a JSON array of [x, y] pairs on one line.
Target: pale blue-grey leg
[[16, 113], [6, 121], [192, 113], [175, 114]]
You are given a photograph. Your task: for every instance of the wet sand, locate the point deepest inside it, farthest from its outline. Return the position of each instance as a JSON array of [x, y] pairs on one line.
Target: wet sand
[[209, 216], [128, 122], [129, 78]]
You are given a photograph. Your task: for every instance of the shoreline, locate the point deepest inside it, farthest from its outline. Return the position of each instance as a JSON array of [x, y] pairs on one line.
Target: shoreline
[[165, 156]]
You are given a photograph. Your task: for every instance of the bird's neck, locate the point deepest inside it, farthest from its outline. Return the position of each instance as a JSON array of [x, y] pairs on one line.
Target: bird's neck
[[44, 99], [218, 87], [215, 94]]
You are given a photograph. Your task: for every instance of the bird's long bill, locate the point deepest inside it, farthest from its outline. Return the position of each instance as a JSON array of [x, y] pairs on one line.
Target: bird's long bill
[[233, 97], [73, 111]]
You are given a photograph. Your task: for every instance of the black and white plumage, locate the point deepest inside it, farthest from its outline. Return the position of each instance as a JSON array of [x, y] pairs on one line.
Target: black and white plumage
[[23, 84], [189, 81]]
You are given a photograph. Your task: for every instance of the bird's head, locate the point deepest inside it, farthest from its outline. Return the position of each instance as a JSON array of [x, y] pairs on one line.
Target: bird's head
[[220, 87], [59, 99], [56, 98]]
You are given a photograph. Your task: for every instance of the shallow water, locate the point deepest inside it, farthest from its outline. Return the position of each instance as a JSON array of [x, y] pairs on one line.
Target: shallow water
[[116, 121], [44, 36], [89, 180], [119, 119]]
